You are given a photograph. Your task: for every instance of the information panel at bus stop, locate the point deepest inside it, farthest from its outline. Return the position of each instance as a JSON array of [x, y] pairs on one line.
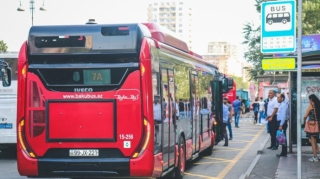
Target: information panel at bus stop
[[278, 32], [279, 64]]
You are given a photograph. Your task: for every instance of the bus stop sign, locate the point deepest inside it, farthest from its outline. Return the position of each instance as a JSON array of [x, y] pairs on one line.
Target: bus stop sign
[[278, 31]]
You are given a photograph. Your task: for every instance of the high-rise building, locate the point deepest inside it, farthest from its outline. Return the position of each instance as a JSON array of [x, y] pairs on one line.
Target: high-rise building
[[175, 15], [226, 56]]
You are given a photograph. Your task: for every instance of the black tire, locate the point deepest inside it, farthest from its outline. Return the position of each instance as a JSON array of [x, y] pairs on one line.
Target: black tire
[[179, 170], [208, 151]]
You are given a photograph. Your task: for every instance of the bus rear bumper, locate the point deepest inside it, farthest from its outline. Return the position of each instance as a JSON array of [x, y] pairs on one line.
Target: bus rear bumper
[[88, 167]]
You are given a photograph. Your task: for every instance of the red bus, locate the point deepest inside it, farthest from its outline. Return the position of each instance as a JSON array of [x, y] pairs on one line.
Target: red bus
[[232, 94], [111, 100]]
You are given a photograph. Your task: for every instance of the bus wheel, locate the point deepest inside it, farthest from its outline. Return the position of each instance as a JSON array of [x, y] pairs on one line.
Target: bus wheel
[[208, 151], [182, 159], [284, 21], [270, 22]]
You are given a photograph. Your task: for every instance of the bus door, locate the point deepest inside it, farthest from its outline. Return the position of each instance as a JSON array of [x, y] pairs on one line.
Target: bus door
[[194, 110], [169, 108], [216, 108]]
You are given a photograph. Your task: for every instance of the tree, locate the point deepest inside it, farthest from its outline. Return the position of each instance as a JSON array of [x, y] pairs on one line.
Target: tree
[[252, 35], [240, 84], [310, 17], [3, 46]]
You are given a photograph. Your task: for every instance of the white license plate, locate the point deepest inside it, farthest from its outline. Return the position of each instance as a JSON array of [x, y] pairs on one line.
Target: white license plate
[[81, 152]]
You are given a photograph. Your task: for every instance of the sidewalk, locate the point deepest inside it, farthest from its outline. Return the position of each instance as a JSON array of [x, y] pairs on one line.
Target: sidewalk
[[287, 167], [270, 167]]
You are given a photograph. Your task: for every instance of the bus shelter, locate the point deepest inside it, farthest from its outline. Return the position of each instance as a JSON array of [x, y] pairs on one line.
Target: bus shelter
[[310, 84]]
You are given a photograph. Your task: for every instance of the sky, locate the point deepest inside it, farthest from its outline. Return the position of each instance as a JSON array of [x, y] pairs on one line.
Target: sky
[[214, 20]]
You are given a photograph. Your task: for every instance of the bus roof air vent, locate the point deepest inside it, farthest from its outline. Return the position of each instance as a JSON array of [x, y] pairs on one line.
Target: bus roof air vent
[[91, 21], [165, 36]]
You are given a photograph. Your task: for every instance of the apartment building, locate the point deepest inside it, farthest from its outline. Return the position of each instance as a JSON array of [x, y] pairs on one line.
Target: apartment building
[[225, 56], [175, 15]]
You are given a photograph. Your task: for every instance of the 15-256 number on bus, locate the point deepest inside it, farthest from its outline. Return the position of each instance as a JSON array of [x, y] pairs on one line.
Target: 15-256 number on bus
[[126, 136]]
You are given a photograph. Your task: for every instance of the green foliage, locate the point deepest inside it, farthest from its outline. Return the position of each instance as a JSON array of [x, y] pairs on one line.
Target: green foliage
[[253, 55], [181, 76], [252, 36], [3, 46], [310, 17], [240, 84]]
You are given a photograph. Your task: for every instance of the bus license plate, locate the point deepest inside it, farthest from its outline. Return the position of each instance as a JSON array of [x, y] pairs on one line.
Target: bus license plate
[[5, 125], [80, 152]]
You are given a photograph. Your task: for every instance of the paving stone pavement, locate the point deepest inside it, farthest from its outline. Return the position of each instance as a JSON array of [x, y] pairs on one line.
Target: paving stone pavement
[[267, 165], [270, 167], [287, 167]]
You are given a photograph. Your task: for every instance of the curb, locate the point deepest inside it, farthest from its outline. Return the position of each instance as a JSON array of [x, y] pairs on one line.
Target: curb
[[256, 159]]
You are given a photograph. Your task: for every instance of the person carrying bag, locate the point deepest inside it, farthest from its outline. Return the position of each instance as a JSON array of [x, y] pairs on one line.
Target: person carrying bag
[[311, 127], [281, 138]]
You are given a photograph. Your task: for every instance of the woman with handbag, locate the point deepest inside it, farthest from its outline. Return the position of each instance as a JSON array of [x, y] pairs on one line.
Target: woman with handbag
[[312, 125]]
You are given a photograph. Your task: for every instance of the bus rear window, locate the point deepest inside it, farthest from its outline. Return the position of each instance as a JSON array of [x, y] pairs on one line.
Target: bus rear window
[[115, 31], [60, 41]]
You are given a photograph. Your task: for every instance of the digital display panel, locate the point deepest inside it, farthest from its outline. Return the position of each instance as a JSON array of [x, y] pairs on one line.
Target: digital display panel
[[97, 76]]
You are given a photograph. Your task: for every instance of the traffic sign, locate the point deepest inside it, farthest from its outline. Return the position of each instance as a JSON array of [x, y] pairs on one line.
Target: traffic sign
[[278, 30], [279, 64]]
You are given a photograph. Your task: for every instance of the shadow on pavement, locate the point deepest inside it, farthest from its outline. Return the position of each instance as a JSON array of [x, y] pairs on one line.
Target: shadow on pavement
[[8, 153]]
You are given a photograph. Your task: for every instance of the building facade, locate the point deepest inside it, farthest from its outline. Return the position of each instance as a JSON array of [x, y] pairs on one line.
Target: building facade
[[226, 56], [175, 15]]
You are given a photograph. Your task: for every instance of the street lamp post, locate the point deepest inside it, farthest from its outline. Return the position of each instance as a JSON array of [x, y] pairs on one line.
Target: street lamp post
[[32, 9]]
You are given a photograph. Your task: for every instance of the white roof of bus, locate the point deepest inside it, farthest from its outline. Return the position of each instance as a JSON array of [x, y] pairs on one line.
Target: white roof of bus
[[9, 55]]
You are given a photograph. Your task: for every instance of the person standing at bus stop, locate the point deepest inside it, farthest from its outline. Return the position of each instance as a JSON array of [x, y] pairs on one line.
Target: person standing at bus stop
[[237, 110], [272, 110], [282, 122]]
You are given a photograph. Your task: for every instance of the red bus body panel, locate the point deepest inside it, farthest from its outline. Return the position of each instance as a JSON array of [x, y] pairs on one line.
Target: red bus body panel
[[53, 123], [127, 115], [232, 93]]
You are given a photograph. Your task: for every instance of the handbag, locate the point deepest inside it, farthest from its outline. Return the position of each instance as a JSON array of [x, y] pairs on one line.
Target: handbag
[[281, 138], [312, 126]]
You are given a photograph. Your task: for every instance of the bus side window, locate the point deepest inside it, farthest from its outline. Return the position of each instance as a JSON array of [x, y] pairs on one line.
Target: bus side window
[[157, 112]]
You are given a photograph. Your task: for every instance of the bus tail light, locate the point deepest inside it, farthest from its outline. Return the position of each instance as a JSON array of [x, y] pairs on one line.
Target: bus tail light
[[143, 69], [36, 110], [145, 141], [24, 71], [22, 139]]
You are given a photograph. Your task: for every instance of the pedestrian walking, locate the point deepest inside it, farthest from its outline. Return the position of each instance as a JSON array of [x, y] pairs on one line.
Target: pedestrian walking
[[272, 110], [261, 110], [227, 103], [255, 107], [312, 130], [237, 110], [282, 122]]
